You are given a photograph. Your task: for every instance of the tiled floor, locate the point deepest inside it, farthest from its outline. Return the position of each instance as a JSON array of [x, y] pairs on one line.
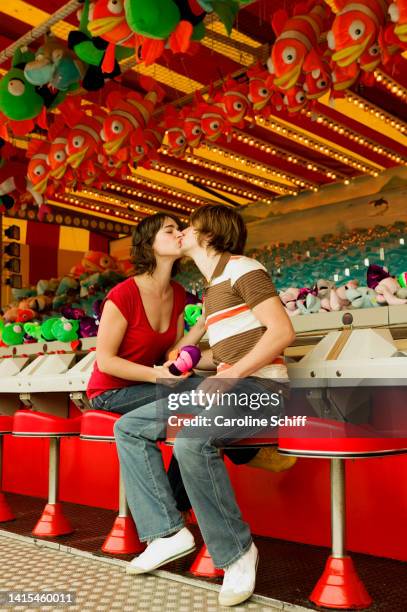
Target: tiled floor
[[287, 571], [97, 585]]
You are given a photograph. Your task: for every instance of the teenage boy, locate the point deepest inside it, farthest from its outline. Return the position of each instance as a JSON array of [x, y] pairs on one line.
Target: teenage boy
[[248, 330]]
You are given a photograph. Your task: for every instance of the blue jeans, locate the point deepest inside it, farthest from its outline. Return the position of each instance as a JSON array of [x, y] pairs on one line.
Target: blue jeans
[[203, 472], [130, 398]]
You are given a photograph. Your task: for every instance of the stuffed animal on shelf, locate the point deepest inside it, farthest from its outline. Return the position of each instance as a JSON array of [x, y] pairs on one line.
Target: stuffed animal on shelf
[[12, 334], [386, 287], [309, 304], [33, 330], [184, 359], [65, 330], [361, 297], [46, 328], [289, 300]]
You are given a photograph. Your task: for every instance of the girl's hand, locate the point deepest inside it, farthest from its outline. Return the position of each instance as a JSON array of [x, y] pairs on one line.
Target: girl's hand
[[164, 375]]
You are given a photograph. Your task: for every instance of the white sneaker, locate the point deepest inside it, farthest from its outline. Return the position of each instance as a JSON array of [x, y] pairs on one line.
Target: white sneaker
[[240, 579], [162, 551]]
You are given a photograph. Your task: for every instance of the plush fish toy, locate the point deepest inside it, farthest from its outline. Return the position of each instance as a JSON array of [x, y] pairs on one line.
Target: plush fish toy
[[175, 134], [317, 75], [297, 36], [84, 140], [107, 20], [261, 89], [128, 112], [38, 170], [355, 29], [234, 101]]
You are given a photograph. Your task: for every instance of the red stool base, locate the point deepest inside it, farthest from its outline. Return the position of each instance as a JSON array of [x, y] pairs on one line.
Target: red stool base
[[52, 522], [340, 587], [203, 565], [6, 513], [123, 538]]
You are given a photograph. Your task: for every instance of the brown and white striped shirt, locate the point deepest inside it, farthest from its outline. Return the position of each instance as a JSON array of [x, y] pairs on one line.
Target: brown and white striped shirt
[[238, 284]]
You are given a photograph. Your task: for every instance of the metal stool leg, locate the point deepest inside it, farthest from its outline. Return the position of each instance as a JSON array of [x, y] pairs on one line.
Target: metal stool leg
[[339, 585], [53, 522], [6, 513], [123, 538]]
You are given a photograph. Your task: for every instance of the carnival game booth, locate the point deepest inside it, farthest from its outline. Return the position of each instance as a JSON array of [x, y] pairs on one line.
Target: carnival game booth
[[294, 112]]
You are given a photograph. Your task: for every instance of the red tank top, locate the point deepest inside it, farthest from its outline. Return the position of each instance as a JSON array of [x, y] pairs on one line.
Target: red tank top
[[141, 344]]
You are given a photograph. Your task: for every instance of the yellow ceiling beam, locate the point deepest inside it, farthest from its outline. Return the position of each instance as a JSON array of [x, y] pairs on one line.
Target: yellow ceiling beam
[[314, 137]]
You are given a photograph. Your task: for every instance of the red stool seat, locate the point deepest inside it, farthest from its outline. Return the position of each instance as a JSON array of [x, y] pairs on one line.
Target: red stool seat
[[329, 438], [41, 424], [256, 442], [6, 424], [98, 425]]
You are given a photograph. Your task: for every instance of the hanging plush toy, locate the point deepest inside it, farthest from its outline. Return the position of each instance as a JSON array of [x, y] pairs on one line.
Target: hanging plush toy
[[175, 134], [145, 144], [234, 102], [191, 126], [13, 183], [60, 172], [296, 38], [179, 21], [129, 112], [55, 66], [295, 98], [84, 140], [92, 52], [38, 169], [317, 75], [262, 94], [108, 21], [355, 29], [21, 102], [213, 118]]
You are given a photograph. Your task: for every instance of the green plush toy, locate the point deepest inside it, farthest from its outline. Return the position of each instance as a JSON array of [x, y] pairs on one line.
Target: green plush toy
[[47, 328], [179, 21], [66, 330], [192, 313], [12, 334], [19, 99], [66, 285], [33, 330], [92, 52]]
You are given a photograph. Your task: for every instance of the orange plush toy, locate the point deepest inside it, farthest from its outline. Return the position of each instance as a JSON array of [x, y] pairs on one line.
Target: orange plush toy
[[296, 38], [355, 31]]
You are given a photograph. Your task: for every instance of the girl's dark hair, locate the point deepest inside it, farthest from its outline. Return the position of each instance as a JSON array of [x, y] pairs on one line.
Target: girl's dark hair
[[222, 226], [144, 233]]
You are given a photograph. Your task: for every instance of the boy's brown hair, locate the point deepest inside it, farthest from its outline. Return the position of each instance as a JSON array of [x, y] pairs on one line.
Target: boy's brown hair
[[144, 233], [222, 227]]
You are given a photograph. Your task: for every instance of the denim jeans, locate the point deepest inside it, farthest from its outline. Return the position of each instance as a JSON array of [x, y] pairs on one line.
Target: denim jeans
[[204, 474], [130, 398]]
